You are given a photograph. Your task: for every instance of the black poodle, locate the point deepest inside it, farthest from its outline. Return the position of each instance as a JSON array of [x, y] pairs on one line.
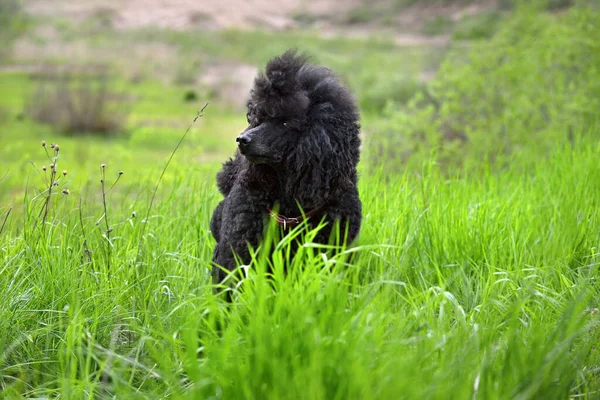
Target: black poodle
[[298, 155]]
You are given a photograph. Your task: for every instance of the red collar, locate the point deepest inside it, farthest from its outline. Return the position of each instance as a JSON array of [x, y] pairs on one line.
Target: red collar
[[290, 222]]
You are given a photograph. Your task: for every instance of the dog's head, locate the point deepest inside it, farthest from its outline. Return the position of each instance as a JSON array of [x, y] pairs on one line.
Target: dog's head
[[277, 110], [301, 119]]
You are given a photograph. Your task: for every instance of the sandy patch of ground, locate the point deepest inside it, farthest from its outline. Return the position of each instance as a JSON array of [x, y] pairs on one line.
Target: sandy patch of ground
[[327, 15], [230, 82], [182, 14]]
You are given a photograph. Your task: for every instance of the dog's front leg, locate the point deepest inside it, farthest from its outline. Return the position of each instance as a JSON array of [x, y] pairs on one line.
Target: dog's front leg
[[345, 212], [242, 227]]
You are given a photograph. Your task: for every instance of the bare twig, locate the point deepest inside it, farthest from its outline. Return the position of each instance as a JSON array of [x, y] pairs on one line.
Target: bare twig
[[198, 115], [50, 183], [108, 230], [85, 247], [115, 182]]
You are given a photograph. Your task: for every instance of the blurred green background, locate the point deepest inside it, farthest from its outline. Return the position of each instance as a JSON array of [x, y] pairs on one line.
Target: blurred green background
[[118, 83]]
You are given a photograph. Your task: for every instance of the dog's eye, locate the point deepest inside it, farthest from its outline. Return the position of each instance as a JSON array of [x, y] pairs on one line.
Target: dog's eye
[[285, 124], [248, 117]]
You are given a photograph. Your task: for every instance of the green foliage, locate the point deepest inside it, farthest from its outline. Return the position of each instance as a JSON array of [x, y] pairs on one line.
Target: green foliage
[[360, 15], [187, 71], [535, 82], [190, 95], [438, 25], [12, 24], [433, 2], [459, 288], [304, 18], [378, 92], [479, 26], [547, 4]]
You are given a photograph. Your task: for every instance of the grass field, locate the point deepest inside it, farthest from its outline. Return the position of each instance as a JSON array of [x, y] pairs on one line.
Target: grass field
[[470, 281], [478, 287]]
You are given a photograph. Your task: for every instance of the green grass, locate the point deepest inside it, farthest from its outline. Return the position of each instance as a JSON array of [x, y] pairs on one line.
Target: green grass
[[483, 286]]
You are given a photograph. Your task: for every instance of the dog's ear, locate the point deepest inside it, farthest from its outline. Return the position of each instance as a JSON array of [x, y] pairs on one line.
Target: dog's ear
[[282, 71], [322, 164]]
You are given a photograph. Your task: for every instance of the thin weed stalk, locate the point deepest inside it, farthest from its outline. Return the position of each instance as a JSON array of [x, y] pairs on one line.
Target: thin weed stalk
[[7, 214], [146, 220], [51, 182], [105, 217], [86, 249]]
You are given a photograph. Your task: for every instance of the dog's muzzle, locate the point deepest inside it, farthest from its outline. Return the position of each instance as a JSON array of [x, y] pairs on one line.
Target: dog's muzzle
[[243, 141]]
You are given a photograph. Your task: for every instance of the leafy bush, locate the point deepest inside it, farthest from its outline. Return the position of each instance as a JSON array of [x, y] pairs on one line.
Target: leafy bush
[[377, 92], [548, 4], [361, 15], [479, 26], [438, 25], [534, 81], [187, 71], [75, 104], [190, 95], [406, 3]]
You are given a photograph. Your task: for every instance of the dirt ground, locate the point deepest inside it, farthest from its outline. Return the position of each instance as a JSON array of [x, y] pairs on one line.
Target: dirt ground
[[327, 16], [227, 80], [181, 14]]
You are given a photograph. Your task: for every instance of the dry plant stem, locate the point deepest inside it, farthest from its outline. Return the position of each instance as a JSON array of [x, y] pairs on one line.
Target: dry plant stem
[[198, 115], [107, 233], [85, 247], [53, 169], [115, 182]]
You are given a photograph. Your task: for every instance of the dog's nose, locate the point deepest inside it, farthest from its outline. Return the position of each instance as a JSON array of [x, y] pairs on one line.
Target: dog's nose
[[243, 140]]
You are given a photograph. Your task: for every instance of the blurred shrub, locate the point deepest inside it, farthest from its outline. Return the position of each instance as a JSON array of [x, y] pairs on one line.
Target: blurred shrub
[[12, 24], [377, 91], [481, 25], [537, 79], [478, 26], [361, 15], [548, 4], [79, 103], [438, 25], [186, 72], [304, 18], [190, 96], [4, 115], [433, 2], [102, 18]]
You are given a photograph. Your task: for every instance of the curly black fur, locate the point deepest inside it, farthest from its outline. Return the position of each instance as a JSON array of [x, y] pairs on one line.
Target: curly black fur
[[301, 148]]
